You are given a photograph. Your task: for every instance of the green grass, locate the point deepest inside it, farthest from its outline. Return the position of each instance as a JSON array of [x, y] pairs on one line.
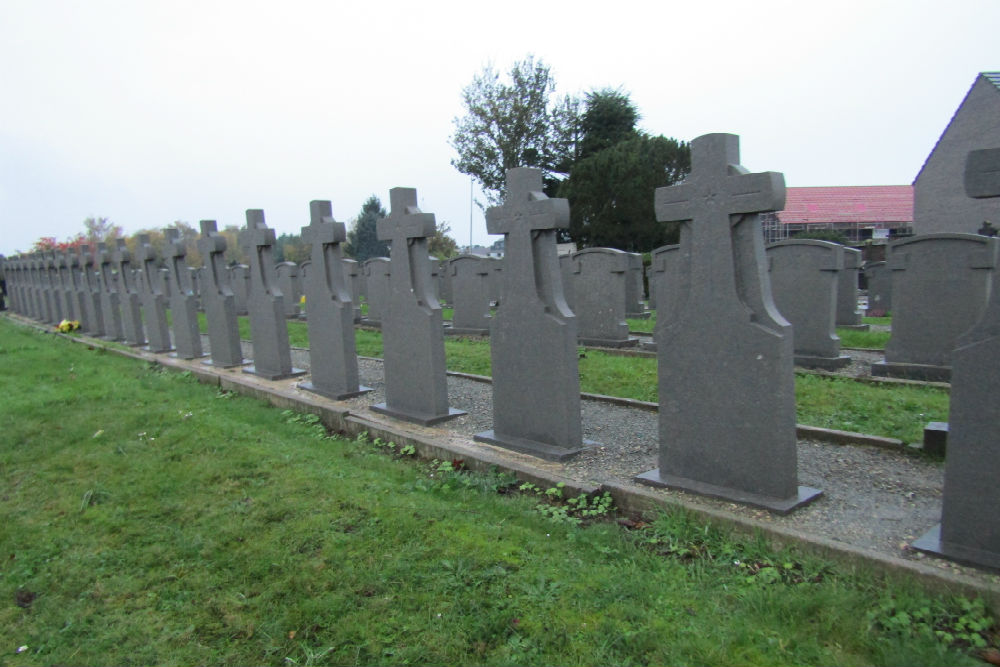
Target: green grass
[[887, 321], [642, 326], [148, 519], [872, 340]]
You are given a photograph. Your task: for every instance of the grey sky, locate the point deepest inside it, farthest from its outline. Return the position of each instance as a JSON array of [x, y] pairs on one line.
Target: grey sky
[[149, 112]]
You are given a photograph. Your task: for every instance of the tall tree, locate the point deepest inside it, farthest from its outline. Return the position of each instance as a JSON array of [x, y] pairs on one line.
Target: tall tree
[[101, 229], [610, 117], [515, 124], [442, 245], [362, 240]]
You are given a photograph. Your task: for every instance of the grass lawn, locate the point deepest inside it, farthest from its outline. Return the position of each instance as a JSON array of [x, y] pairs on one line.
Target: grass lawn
[[149, 519]]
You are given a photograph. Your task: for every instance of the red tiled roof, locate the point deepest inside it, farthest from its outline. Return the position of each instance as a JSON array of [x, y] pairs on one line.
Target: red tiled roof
[[849, 204]]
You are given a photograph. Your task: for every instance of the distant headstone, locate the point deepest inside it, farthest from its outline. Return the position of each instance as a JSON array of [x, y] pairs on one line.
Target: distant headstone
[[567, 275], [290, 284], [67, 290], [218, 299], [805, 277], [878, 277], [154, 303], [130, 298], [600, 281], [469, 278], [970, 525], [739, 442], [663, 280], [536, 382], [444, 282], [333, 361], [353, 276], [377, 274], [80, 294], [634, 291], [848, 315], [940, 283], [90, 291], [416, 387], [272, 353], [239, 282], [183, 302], [110, 299], [53, 287]]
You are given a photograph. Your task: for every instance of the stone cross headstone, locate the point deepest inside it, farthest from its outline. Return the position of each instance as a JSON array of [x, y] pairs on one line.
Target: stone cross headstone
[[79, 290], [469, 281], [600, 280], [378, 272], [353, 275], [90, 291], [110, 299], [536, 381], [290, 284], [183, 302], [970, 524], [805, 278], [416, 386], [738, 442], [333, 361], [239, 282], [878, 278], [940, 284], [848, 315], [272, 353], [131, 301], [53, 286], [218, 299], [154, 303], [67, 292]]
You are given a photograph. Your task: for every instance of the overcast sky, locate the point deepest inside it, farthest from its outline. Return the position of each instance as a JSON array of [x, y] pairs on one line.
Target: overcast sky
[[148, 112]]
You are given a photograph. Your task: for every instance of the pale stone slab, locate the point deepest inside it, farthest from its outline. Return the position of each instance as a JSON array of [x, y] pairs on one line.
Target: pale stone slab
[[218, 299], [536, 382], [333, 361], [265, 303], [416, 386], [740, 442]]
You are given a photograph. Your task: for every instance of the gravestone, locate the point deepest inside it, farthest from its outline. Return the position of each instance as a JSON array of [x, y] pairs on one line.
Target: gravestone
[[333, 361], [239, 283], [90, 292], [353, 276], [53, 287], [131, 300], [469, 278], [567, 274], [110, 299], [940, 283], [67, 293], [634, 290], [272, 353], [154, 303], [290, 284], [878, 277], [805, 277], [78, 291], [416, 386], [377, 274], [219, 300], [183, 302], [600, 281], [663, 281], [444, 282], [536, 382], [727, 386], [848, 315], [970, 525], [194, 283]]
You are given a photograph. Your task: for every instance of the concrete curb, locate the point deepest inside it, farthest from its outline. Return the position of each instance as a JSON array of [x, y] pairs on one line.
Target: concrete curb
[[433, 443]]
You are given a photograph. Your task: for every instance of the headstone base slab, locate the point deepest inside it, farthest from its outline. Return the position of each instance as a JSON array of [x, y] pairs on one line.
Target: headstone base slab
[[649, 345], [375, 324], [645, 315], [422, 419], [177, 355], [854, 327], [210, 362], [925, 372], [309, 386], [465, 331], [936, 438], [805, 495], [603, 342], [149, 348], [822, 363], [294, 373], [930, 542], [533, 447]]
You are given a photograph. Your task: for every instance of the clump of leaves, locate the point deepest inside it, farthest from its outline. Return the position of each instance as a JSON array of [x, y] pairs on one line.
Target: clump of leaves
[[959, 622], [574, 510], [309, 420]]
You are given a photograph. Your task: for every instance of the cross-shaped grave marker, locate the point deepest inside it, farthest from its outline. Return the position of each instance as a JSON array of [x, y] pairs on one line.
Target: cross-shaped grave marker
[[412, 331], [154, 303], [183, 302], [218, 299], [333, 361], [727, 404], [536, 383]]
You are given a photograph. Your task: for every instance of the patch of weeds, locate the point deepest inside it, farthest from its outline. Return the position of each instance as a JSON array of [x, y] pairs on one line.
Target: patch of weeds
[[574, 510], [225, 394], [454, 474], [957, 623], [307, 419]]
